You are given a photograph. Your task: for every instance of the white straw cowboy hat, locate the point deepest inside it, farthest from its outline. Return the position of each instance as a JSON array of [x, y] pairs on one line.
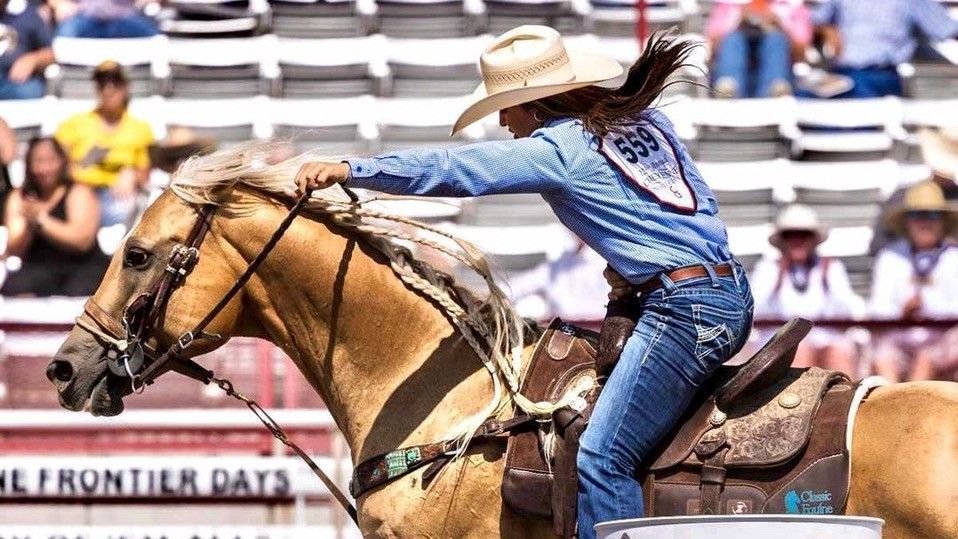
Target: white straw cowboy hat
[[528, 63], [939, 148], [797, 217], [924, 196]]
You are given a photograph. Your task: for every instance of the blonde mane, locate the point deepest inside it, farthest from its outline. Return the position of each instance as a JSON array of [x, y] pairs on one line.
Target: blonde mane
[[491, 326]]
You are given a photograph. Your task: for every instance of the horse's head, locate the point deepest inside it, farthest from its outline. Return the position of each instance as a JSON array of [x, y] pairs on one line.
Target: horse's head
[[82, 371]]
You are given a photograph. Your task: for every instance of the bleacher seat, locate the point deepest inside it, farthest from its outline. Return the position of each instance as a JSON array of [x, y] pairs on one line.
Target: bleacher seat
[[337, 127], [76, 58], [749, 242], [844, 194], [322, 19], [411, 122], [506, 210], [429, 18], [217, 68], [850, 245], [337, 67], [619, 17], [215, 18], [847, 129], [513, 249], [935, 79], [433, 67], [566, 16], [229, 121], [924, 113], [26, 117], [432, 210], [145, 108], [746, 192], [737, 129]]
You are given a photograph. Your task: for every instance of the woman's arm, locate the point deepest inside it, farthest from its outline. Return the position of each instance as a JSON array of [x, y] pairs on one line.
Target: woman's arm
[[19, 233], [8, 143], [78, 232], [528, 165]]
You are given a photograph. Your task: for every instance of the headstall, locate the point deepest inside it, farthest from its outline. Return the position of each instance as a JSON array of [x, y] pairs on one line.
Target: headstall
[[130, 355]]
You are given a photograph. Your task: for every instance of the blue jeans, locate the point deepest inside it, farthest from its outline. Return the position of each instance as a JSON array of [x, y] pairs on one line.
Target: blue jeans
[[112, 211], [869, 82], [31, 89], [84, 26], [686, 330], [773, 62]]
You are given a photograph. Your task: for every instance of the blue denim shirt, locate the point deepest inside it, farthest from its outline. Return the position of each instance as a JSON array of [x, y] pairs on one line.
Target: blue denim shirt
[[882, 32], [637, 198]]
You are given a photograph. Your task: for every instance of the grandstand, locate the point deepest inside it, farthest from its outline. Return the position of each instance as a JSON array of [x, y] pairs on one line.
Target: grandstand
[[357, 77]]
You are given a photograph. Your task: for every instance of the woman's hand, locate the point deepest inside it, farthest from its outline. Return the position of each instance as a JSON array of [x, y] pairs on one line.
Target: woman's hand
[[319, 175], [32, 209], [22, 69]]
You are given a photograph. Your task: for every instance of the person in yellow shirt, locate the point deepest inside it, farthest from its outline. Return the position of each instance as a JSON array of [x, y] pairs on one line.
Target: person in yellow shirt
[[107, 146]]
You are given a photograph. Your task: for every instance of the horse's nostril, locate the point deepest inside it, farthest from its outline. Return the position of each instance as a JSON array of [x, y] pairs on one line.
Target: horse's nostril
[[60, 370]]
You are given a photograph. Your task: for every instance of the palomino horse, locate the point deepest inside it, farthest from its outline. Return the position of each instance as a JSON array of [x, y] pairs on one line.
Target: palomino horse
[[395, 371]]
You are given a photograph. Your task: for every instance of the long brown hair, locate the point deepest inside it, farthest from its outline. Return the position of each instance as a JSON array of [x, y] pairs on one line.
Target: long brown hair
[[30, 184], [602, 110]]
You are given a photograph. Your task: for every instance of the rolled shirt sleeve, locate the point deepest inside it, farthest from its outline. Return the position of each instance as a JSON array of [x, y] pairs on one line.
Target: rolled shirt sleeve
[[528, 165]]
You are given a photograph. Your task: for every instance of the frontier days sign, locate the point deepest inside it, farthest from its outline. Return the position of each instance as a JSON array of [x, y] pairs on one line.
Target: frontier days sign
[[165, 477]]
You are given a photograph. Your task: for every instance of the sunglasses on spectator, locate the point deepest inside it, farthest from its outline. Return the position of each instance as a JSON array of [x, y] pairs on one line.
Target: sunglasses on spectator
[[797, 234], [926, 215]]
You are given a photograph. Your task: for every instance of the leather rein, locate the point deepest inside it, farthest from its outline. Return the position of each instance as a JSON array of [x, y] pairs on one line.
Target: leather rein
[[129, 355]]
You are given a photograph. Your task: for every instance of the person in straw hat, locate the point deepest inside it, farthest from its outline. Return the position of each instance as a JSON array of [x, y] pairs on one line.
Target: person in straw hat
[[797, 281], [939, 150], [615, 173], [916, 277]]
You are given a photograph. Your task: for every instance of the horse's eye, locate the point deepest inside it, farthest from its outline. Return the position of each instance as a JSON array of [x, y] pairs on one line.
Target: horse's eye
[[136, 258]]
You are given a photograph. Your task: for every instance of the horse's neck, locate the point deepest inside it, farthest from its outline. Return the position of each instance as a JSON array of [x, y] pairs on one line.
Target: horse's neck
[[391, 369]]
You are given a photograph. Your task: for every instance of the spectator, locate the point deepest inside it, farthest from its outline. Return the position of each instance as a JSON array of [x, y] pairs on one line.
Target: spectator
[[939, 149], [798, 282], [108, 146], [570, 286], [25, 50], [8, 152], [52, 224], [754, 42], [871, 38], [108, 19], [917, 278]]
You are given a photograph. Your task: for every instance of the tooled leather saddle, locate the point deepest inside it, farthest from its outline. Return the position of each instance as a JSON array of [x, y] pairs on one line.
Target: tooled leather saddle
[[759, 438]]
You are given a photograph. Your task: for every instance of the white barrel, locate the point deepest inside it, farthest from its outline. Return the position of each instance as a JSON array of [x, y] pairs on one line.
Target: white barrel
[[739, 526]]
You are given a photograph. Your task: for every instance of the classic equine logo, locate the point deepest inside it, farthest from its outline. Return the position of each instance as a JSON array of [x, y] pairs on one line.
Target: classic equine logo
[[809, 502]]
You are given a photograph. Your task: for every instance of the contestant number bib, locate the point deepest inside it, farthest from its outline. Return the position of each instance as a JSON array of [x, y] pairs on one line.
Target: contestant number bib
[[646, 156]]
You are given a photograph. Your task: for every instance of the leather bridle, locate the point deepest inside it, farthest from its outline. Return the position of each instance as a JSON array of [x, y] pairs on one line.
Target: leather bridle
[[129, 354]]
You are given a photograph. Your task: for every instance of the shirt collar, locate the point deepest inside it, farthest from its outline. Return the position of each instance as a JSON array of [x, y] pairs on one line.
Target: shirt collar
[[552, 122]]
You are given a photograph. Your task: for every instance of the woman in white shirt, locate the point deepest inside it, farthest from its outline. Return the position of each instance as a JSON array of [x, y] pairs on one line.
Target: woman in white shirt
[[916, 277], [796, 281]]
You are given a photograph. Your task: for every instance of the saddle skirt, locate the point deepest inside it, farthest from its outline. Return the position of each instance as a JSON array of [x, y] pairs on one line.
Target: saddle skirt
[[759, 438]]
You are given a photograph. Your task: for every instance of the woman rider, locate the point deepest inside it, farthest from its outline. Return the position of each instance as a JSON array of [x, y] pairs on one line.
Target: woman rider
[[616, 174]]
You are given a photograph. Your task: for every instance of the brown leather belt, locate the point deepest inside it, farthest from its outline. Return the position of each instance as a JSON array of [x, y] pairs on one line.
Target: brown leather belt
[[683, 274]]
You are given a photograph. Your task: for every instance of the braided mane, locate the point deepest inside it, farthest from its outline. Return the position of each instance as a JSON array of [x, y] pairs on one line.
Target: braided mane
[[491, 325]]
